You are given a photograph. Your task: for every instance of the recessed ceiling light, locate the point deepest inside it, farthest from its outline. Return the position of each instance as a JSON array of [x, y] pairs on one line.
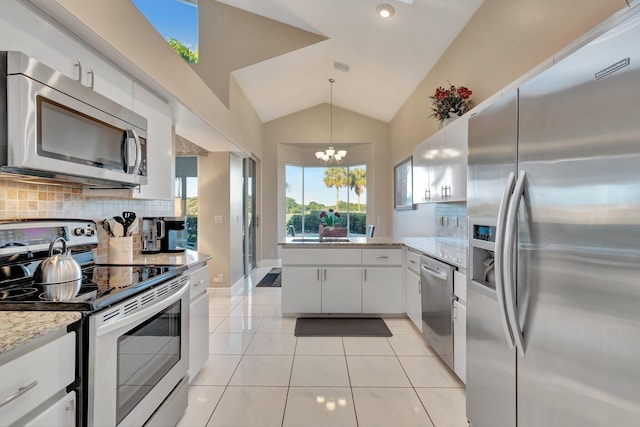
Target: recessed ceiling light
[[385, 10]]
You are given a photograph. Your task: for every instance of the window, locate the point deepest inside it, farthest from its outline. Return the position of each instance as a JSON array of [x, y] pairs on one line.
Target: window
[[176, 21], [311, 190], [187, 196]]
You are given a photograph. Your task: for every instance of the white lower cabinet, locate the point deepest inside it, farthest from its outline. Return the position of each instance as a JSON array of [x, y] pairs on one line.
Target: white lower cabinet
[[460, 340], [342, 280], [413, 298], [341, 290], [35, 377], [301, 290], [60, 414], [382, 290], [198, 319]]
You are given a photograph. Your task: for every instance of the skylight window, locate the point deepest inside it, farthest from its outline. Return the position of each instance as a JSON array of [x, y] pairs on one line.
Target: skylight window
[[176, 21]]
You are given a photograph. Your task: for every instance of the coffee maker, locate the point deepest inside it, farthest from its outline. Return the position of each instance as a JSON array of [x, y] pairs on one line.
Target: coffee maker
[[153, 231], [175, 237]]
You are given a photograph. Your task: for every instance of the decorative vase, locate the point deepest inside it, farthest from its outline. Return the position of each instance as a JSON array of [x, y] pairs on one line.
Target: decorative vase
[[452, 117]]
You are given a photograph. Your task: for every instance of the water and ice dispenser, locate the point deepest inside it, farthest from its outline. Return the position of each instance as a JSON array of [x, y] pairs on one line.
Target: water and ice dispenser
[[482, 244]]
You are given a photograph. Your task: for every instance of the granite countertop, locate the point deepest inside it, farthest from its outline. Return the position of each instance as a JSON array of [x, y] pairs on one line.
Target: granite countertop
[[188, 257], [18, 328], [452, 251], [310, 242]]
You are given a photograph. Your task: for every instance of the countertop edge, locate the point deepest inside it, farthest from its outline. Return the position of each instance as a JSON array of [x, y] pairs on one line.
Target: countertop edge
[[22, 331]]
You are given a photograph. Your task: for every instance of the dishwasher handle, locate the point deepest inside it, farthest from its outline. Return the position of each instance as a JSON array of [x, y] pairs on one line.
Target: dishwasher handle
[[433, 272]]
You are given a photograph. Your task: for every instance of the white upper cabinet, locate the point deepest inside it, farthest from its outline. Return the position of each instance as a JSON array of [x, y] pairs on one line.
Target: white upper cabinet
[[440, 165], [106, 78], [161, 170], [453, 186], [24, 29]]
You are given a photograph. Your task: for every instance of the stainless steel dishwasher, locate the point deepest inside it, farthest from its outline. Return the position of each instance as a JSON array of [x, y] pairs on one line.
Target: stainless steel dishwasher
[[437, 300]]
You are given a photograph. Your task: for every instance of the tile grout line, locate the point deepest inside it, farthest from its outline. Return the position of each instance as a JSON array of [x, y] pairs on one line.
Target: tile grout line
[[286, 399], [353, 399]]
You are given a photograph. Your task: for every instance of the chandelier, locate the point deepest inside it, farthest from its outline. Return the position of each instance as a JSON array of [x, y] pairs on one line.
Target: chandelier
[[331, 156]]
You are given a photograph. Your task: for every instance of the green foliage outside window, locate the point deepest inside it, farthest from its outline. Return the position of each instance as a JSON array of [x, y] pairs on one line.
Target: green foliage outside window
[[182, 50]]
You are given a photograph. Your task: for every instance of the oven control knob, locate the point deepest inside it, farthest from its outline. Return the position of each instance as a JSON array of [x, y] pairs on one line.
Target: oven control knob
[[79, 231], [91, 232]]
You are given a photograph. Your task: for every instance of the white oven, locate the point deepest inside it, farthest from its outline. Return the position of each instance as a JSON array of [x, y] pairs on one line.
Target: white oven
[[139, 357]]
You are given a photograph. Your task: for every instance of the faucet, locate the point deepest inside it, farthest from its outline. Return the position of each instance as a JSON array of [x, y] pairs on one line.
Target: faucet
[[291, 230]]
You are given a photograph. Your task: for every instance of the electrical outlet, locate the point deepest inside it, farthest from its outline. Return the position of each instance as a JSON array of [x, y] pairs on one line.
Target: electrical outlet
[[219, 278]]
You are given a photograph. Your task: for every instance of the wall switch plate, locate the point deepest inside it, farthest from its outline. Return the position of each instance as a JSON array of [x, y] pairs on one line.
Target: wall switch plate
[[219, 278], [218, 219]]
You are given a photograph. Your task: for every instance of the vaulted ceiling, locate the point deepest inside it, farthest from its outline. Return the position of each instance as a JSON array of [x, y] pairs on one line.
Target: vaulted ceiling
[[386, 58]]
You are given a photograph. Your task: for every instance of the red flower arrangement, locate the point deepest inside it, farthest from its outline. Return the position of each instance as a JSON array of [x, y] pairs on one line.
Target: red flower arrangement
[[446, 102], [330, 219]]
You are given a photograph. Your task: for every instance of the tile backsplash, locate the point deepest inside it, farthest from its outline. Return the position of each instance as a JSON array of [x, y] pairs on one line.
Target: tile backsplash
[[19, 200], [451, 220]]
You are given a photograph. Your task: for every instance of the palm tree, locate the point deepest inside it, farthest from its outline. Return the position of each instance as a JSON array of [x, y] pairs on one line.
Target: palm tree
[[358, 182], [336, 177]]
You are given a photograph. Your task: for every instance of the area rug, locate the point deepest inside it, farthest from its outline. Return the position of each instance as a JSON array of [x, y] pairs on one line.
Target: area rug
[[272, 279], [341, 327]]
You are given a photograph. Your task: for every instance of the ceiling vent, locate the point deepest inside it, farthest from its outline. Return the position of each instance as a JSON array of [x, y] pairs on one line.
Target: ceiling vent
[[340, 66]]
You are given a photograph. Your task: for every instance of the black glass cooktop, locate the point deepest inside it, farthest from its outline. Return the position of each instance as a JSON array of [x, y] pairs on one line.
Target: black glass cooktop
[[102, 285]]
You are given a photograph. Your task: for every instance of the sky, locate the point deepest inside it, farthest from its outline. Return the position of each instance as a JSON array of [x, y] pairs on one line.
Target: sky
[[315, 189], [172, 19]]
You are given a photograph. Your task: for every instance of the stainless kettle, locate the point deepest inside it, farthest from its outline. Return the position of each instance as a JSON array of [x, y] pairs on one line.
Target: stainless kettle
[[59, 274]]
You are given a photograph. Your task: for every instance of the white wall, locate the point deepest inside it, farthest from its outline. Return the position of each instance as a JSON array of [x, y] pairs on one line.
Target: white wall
[[236, 257]]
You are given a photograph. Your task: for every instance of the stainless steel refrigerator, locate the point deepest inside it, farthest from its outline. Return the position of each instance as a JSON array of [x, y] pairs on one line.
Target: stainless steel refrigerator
[[554, 266]]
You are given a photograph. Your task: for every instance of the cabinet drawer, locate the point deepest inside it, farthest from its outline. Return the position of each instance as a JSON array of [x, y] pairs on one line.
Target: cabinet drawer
[[413, 261], [199, 279], [382, 257], [324, 257], [50, 367]]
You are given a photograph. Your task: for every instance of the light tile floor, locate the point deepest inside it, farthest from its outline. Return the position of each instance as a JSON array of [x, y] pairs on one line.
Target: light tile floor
[[260, 374]]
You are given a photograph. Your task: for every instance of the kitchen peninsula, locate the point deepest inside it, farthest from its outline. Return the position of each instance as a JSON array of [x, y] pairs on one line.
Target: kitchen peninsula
[[356, 275]]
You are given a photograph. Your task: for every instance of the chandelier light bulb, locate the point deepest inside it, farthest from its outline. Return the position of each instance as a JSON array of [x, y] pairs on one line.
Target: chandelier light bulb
[[385, 10], [319, 155], [342, 153]]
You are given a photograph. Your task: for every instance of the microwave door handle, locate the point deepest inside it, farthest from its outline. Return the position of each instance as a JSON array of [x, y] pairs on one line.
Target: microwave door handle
[[131, 151]]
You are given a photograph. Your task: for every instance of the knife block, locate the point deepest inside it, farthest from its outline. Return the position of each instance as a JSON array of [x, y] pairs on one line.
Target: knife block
[[120, 250]]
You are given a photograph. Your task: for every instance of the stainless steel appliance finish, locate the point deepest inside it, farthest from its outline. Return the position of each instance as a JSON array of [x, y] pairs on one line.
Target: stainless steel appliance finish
[[56, 128], [153, 231], [138, 354], [554, 341], [436, 281]]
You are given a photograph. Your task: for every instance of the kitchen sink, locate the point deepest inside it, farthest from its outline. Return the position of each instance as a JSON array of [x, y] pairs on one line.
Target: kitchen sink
[[315, 239]]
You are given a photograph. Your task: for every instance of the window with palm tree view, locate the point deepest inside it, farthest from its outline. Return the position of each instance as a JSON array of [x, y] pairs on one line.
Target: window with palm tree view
[[313, 190]]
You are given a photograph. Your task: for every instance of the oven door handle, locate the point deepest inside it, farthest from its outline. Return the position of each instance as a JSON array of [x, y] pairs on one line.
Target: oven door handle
[[135, 318]]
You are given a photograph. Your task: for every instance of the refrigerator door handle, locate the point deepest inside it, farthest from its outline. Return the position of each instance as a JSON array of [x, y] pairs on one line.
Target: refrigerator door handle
[[499, 258], [509, 252]]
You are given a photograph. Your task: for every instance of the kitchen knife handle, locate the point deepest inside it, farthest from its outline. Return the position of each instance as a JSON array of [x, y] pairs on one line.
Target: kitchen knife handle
[[510, 250]]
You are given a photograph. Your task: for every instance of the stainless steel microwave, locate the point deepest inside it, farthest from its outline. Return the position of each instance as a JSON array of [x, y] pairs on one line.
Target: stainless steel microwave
[[53, 127]]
